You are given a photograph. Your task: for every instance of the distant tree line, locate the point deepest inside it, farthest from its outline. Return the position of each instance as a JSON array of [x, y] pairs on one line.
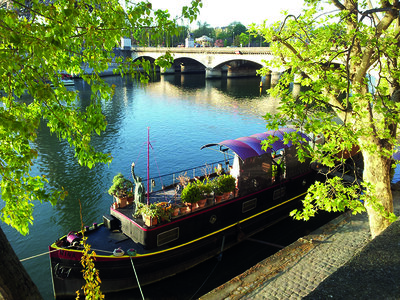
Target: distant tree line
[[235, 34]]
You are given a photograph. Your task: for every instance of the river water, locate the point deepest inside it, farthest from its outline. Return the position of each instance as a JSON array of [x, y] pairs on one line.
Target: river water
[[183, 113]]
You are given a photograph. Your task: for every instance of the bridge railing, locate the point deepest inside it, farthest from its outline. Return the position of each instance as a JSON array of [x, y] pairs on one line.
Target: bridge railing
[[208, 50]]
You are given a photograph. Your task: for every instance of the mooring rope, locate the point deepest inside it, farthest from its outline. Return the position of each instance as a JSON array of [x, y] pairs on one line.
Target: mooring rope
[[219, 258], [47, 252], [34, 256], [137, 279], [208, 277]]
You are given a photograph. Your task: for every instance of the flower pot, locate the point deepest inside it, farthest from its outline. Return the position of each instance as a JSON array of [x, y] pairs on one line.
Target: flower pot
[[122, 201], [184, 209], [130, 200], [149, 221], [218, 198], [175, 212], [201, 203], [226, 196]]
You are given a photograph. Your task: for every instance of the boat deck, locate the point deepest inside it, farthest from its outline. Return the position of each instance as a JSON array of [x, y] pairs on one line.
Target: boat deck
[[103, 241], [165, 195]]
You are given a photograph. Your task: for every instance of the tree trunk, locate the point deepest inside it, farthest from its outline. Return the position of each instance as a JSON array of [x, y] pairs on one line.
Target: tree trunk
[[15, 282], [377, 172]]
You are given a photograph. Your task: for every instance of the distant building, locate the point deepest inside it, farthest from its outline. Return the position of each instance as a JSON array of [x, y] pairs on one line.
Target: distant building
[[204, 41]]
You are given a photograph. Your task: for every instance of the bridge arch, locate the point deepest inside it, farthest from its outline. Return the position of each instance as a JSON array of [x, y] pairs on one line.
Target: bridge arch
[[238, 61]]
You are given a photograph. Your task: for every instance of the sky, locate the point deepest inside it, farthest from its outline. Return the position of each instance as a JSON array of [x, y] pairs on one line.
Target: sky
[[218, 13]]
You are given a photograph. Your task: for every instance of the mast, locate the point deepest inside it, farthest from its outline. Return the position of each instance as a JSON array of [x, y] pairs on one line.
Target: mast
[[148, 163]]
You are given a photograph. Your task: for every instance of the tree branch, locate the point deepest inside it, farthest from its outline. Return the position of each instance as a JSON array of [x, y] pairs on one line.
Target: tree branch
[[338, 5]]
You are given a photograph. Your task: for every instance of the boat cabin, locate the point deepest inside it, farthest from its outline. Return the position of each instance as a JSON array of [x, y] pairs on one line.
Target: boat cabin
[[255, 168]]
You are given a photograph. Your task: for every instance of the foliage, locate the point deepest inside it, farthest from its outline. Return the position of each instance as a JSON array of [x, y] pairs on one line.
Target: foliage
[[346, 60], [153, 210], [91, 289], [226, 183], [205, 186], [215, 187], [91, 276], [203, 29], [244, 39], [40, 40], [120, 185], [191, 193]]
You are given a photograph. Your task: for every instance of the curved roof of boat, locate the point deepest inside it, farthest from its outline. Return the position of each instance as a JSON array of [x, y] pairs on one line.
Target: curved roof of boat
[[250, 146]]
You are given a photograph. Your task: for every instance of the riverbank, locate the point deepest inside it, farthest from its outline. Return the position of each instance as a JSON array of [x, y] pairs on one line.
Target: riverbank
[[337, 261]]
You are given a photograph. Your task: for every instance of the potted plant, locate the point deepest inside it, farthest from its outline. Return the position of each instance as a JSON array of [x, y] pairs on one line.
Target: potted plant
[[164, 211], [175, 209], [227, 184], [150, 213], [191, 194], [121, 189], [206, 190], [216, 190]]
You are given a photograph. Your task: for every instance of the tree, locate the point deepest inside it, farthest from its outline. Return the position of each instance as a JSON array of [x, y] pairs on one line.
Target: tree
[[40, 40], [204, 29], [244, 39], [347, 60], [234, 30]]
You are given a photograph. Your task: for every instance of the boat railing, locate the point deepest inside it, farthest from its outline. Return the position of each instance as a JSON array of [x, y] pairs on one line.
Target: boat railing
[[169, 181]]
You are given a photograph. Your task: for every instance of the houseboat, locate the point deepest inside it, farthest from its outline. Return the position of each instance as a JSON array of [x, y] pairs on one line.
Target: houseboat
[[267, 185]]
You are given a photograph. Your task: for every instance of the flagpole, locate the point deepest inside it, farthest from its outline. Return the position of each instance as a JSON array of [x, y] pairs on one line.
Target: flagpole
[[148, 163]]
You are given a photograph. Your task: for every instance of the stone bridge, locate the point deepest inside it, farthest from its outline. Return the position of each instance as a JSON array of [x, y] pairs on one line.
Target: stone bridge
[[237, 62]]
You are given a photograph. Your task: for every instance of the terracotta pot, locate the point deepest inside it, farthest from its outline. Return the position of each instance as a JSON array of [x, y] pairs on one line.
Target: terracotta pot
[[175, 212], [201, 203], [218, 198], [123, 201], [226, 196], [149, 221], [184, 209]]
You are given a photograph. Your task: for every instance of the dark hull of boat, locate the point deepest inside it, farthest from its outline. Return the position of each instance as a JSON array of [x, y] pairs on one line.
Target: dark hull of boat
[[221, 227]]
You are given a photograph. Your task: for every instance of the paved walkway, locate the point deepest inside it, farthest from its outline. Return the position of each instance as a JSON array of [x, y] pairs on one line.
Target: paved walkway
[[337, 261]]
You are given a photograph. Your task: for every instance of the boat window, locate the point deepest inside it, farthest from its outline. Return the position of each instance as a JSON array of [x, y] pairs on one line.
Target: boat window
[[249, 205], [255, 173], [167, 236]]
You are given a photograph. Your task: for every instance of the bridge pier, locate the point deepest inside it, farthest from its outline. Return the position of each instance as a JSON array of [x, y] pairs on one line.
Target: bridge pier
[[265, 81], [212, 73], [275, 78]]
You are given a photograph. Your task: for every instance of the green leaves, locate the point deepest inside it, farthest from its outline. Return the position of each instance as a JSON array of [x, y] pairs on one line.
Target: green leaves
[[347, 64], [332, 196], [39, 42]]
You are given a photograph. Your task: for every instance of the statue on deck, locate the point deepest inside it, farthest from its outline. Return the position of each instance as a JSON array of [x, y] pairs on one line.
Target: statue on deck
[[139, 188]]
